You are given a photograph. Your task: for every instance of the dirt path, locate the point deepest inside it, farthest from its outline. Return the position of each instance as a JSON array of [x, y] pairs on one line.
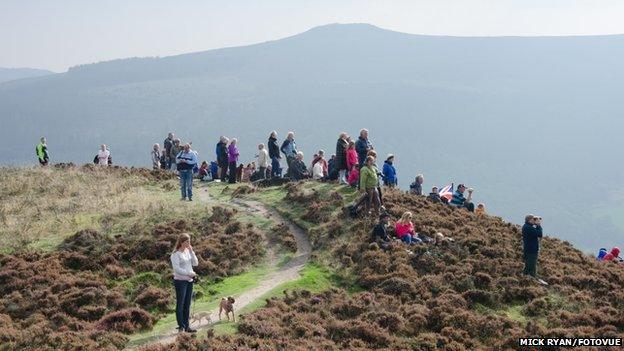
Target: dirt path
[[277, 276]]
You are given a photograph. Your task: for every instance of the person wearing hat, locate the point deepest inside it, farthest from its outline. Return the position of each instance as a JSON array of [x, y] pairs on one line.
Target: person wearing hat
[[459, 200], [380, 234], [531, 235], [389, 172]]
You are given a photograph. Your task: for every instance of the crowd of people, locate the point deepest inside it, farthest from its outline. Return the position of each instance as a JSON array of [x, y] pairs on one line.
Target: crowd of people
[[354, 163]]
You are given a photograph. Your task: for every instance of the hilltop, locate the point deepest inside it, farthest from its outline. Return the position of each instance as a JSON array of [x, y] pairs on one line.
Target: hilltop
[[519, 118], [9, 74], [104, 283]]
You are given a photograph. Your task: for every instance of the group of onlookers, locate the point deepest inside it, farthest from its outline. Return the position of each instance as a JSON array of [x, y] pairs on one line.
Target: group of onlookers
[[613, 255], [404, 231]]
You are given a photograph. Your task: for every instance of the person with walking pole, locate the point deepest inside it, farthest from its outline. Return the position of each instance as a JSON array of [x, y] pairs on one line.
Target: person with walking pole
[[183, 259]]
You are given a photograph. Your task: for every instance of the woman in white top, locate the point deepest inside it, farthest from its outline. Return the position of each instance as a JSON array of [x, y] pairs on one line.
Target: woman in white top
[[155, 156], [103, 155], [183, 260]]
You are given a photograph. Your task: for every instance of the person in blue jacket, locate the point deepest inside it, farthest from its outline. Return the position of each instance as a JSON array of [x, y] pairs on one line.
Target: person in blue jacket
[[389, 172], [362, 146], [531, 235]]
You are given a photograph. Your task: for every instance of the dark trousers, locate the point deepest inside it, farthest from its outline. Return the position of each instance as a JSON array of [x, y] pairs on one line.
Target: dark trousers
[[232, 176], [184, 294], [530, 264], [470, 206], [289, 160], [223, 171], [275, 167], [262, 172]]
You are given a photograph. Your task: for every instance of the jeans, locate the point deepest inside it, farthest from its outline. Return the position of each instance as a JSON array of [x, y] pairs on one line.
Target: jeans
[[530, 264], [232, 176], [407, 238], [184, 294], [275, 167], [186, 183]]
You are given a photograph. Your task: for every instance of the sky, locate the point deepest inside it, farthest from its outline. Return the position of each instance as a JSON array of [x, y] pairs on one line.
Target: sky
[[58, 34]]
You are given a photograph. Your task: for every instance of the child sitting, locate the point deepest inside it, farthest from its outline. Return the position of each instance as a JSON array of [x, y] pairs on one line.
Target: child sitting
[[480, 210]]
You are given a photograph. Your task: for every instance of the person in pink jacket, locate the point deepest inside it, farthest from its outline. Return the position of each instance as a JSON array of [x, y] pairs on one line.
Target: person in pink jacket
[[404, 229], [352, 156]]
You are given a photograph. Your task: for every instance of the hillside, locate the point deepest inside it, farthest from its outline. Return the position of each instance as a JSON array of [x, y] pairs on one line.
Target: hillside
[[8, 74], [520, 118], [106, 288]]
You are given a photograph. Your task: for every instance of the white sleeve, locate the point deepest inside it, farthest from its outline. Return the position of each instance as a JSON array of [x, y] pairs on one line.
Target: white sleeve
[[194, 261], [175, 263]]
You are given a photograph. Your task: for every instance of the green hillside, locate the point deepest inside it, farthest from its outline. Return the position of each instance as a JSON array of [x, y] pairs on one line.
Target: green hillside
[[85, 266]]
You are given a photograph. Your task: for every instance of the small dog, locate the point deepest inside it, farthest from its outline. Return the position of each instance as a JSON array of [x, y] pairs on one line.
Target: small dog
[[227, 305]]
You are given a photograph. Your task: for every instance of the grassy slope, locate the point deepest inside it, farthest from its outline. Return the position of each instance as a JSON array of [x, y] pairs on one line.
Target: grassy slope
[[42, 206]]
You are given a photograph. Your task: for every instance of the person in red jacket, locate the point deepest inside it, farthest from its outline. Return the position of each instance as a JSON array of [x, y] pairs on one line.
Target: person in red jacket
[[613, 255], [404, 229], [352, 156]]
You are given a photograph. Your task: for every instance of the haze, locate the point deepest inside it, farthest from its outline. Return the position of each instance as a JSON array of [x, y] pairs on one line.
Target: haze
[[59, 34]]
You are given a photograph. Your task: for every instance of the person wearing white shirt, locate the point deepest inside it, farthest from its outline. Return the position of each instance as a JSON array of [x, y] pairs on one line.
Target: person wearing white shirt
[[103, 155], [263, 160], [317, 171], [183, 260]]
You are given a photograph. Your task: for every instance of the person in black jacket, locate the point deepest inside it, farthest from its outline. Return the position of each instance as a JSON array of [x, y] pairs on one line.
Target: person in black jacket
[[340, 163], [531, 234], [274, 155], [222, 157], [380, 234]]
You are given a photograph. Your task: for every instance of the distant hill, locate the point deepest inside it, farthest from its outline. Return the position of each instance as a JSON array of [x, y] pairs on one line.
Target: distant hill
[[532, 122], [7, 74]]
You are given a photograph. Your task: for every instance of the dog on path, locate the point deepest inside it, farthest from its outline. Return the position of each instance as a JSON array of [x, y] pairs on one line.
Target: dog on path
[[227, 305]]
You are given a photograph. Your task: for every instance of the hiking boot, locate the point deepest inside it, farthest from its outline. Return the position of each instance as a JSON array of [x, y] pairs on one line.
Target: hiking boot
[[182, 199], [190, 330], [190, 199]]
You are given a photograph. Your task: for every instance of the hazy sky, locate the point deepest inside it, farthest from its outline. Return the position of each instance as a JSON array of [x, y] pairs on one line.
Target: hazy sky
[[57, 34]]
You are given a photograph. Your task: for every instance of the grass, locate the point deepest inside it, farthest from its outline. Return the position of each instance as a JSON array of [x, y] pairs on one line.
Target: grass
[[42, 206], [314, 278], [211, 295]]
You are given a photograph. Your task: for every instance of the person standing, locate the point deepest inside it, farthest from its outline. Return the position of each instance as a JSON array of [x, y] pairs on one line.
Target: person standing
[[183, 259], [163, 159], [186, 160], [369, 181], [167, 144], [389, 172], [341, 157], [155, 156], [363, 146], [263, 160], [222, 157], [103, 155], [233, 160], [352, 156], [531, 235], [174, 151], [274, 154], [289, 148], [41, 151]]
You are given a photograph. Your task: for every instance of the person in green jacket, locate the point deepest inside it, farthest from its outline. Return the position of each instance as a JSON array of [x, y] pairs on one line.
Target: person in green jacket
[[41, 151], [369, 181]]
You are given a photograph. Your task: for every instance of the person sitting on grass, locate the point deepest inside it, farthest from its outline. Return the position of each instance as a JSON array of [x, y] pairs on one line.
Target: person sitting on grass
[[460, 201], [299, 170], [416, 186], [434, 195], [614, 255], [404, 229], [480, 210], [203, 171], [380, 234]]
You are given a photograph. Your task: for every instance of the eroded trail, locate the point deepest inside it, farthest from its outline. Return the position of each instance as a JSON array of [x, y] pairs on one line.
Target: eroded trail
[[278, 274]]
